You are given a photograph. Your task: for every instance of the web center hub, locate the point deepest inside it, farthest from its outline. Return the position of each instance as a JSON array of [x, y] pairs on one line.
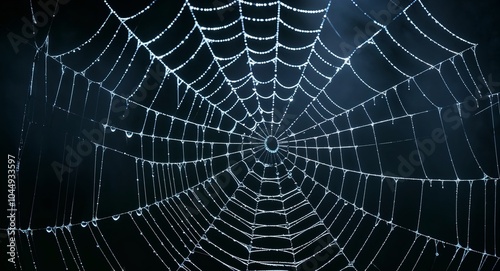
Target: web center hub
[[271, 144]]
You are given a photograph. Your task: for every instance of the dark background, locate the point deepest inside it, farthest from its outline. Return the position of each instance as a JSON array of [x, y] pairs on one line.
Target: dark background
[[52, 130]]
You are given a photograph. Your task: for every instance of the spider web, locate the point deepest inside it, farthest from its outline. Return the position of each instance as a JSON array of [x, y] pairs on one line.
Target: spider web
[[259, 135]]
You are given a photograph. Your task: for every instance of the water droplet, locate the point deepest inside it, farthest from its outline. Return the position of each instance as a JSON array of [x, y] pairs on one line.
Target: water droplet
[[129, 134], [84, 224], [48, 229], [116, 217], [138, 212], [112, 128], [94, 223]]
